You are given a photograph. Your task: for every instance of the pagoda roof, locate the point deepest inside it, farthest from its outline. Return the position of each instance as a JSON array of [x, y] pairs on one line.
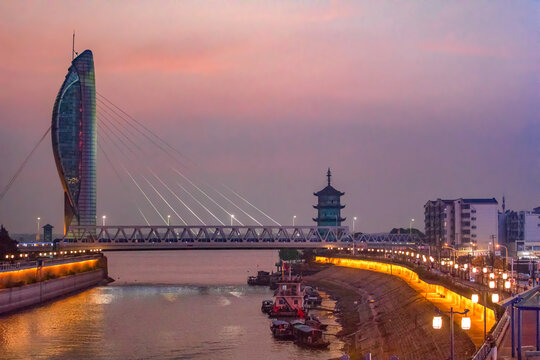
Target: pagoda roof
[[328, 206], [329, 190]]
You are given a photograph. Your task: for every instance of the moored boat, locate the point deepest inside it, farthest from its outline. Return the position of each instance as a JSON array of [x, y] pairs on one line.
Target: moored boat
[[266, 306], [281, 330], [309, 337], [262, 278], [288, 299], [314, 322]]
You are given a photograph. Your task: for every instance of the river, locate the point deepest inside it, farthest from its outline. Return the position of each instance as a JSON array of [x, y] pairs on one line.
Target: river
[[191, 304]]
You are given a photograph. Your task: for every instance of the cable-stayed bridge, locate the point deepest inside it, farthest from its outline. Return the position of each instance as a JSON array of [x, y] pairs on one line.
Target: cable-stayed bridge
[[158, 237], [180, 204]]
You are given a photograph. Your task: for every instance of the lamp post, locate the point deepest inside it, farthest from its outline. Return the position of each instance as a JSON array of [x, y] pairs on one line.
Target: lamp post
[[293, 219], [410, 226], [494, 299], [353, 220], [446, 246], [168, 220], [103, 220], [465, 325], [505, 256], [232, 219], [37, 233]]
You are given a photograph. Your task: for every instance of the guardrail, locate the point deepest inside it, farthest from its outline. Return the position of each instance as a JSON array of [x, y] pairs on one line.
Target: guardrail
[[495, 339]]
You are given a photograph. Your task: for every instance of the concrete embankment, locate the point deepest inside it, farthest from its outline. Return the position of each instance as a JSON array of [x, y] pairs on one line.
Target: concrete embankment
[[383, 315], [63, 279]]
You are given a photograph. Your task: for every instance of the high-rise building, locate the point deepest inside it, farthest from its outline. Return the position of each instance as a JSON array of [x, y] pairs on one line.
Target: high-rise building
[[329, 205], [521, 232], [462, 223], [74, 141]]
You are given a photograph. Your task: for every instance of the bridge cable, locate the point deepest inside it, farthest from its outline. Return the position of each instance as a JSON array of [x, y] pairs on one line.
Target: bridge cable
[[23, 164], [172, 148], [187, 179], [198, 202], [164, 200], [161, 181], [205, 194], [129, 174], [170, 155], [177, 197], [124, 186]]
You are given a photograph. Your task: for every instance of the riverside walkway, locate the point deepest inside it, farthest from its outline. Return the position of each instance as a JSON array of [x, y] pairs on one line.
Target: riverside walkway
[[441, 297]]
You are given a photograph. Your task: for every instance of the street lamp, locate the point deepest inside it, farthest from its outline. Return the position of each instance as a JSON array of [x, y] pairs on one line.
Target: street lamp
[[446, 246], [410, 226], [353, 220], [494, 299], [168, 220], [506, 259], [103, 220], [232, 219], [37, 234], [293, 219], [465, 325]]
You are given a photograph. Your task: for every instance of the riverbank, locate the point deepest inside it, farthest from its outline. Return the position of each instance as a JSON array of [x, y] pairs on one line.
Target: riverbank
[[381, 314], [27, 287]]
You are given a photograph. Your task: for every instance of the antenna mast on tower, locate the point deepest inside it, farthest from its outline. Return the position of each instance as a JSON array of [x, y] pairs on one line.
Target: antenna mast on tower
[[73, 47]]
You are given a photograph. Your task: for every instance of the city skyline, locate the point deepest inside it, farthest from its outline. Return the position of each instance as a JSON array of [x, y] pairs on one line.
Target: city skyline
[[452, 111]]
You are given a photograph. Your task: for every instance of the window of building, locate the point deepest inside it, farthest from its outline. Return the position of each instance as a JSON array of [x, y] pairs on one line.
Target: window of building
[[473, 218], [473, 227], [473, 211], [473, 235]]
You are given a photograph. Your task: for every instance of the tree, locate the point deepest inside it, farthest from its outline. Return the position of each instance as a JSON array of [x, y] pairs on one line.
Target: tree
[[289, 254], [7, 244], [407, 231]]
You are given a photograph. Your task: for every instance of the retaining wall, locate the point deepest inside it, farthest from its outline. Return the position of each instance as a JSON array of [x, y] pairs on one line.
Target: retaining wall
[[437, 294]]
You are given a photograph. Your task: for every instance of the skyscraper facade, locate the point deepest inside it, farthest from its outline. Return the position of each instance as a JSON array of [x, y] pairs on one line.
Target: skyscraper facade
[[74, 141]]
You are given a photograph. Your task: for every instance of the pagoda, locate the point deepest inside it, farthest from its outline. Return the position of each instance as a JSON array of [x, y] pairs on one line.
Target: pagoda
[[329, 205]]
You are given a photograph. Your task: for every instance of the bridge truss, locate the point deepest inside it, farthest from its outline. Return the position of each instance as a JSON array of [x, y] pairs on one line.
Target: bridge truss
[[113, 237]]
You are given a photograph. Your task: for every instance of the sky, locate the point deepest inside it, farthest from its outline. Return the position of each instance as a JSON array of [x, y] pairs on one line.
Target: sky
[[406, 101]]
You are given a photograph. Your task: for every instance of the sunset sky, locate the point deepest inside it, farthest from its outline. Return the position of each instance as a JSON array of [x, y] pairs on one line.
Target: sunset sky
[[406, 101]]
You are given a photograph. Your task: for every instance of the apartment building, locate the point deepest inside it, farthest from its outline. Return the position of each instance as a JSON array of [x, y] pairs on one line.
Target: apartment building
[[462, 223]]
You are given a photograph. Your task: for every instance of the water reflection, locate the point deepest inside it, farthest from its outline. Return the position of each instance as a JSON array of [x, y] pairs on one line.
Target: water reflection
[[218, 319]]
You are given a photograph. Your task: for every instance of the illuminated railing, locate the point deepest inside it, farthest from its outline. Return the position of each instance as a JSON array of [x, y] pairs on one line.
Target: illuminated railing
[[442, 297]]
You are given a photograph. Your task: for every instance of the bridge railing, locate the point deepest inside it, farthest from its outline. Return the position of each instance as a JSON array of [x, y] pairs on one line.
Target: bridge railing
[[324, 234], [496, 337]]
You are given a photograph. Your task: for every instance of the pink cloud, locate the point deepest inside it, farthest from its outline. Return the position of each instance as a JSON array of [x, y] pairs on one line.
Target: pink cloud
[[454, 46]]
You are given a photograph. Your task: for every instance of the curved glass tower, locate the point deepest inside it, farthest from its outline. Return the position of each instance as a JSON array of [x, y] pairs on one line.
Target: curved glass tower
[[74, 141]]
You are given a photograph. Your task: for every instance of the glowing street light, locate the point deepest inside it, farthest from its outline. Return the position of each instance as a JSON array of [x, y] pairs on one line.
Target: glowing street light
[[103, 220], [437, 322], [410, 226], [232, 219], [293, 219], [37, 234], [353, 220], [465, 325], [168, 220]]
